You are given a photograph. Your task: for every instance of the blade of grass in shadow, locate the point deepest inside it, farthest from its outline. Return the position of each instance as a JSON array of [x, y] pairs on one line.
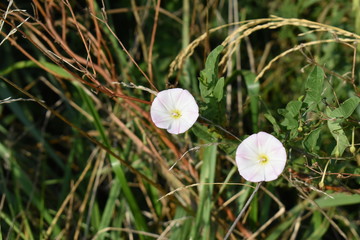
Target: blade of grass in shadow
[[86, 135], [26, 185], [76, 151], [289, 219], [29, 125], [22, 205], [95, 216], [14, 225], [110, 206], [320, 225], [11, 200], [118, 171], [21, 180], [202, 226], [119, 54]]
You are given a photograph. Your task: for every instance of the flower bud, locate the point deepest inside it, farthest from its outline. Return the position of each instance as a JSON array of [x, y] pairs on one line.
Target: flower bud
[[352, 149]]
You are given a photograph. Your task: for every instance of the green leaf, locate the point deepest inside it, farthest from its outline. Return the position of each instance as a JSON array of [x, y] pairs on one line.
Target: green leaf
[[203, 133], [211, 64], [219, 89], [336, 118], [212, 89], [346, 108], [293, 108], [205, 87], [310, 142], [291, 113], [338, 133], [228, 146], [272, 120], [213, 111], [314, 88], [209, 76]]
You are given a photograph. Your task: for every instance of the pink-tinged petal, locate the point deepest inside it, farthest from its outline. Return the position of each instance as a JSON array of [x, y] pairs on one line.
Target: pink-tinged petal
[[246, 157], [266, 141], [273, 170], [174, 95], [253, 174], [161, 119], [249, 144], [277, 152], [253, 149], [186, 102], [176, 127], [163, 101]]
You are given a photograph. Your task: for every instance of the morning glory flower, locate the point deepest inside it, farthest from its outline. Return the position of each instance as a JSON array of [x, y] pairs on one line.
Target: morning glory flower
[[174, 110], [260, 157]]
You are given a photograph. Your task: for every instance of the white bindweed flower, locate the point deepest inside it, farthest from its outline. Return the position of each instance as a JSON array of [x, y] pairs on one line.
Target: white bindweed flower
[[174, 110], [260, 157]]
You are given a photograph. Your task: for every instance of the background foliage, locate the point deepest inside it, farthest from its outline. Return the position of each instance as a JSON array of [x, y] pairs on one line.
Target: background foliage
[[81, 159]]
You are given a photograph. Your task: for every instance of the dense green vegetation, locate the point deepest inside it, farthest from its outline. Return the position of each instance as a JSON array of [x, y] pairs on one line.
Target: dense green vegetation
[[81, 159]]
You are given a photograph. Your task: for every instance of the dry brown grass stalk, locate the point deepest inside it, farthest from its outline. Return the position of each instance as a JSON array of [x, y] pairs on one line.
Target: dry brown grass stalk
[[299, 47], [247, 28]]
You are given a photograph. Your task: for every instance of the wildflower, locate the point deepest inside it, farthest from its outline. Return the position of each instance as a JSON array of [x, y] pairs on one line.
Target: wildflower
[[174, 110], [260, 157]]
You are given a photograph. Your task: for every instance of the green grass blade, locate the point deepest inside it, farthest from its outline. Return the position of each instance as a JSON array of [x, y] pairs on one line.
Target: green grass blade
[[26, 185], [182, 229], [14, 225], [253, 89], [339, 199], [203, 226], [29, 125], [116, 167], [110, 206]]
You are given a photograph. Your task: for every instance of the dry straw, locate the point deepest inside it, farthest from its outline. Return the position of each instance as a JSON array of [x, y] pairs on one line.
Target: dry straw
[[246, 28]]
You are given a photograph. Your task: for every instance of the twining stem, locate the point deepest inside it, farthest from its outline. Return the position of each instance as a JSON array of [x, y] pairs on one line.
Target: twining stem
[[242, 211]]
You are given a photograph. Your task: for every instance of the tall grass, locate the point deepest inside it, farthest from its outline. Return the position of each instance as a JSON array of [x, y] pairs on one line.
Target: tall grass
[[81, 158]]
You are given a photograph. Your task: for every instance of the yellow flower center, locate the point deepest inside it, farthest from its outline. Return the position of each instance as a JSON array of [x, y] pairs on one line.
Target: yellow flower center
[[263, 159], [175, 114]]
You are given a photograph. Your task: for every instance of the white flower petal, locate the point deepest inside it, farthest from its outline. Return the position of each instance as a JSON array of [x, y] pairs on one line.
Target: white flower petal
[[178, 126], [272, 172], [189, 118], [253, 149], [249, 144], [255, 173], [246, 157], [174, 101], [163, 101], [161, 119], [266, 142], [186, 102]]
